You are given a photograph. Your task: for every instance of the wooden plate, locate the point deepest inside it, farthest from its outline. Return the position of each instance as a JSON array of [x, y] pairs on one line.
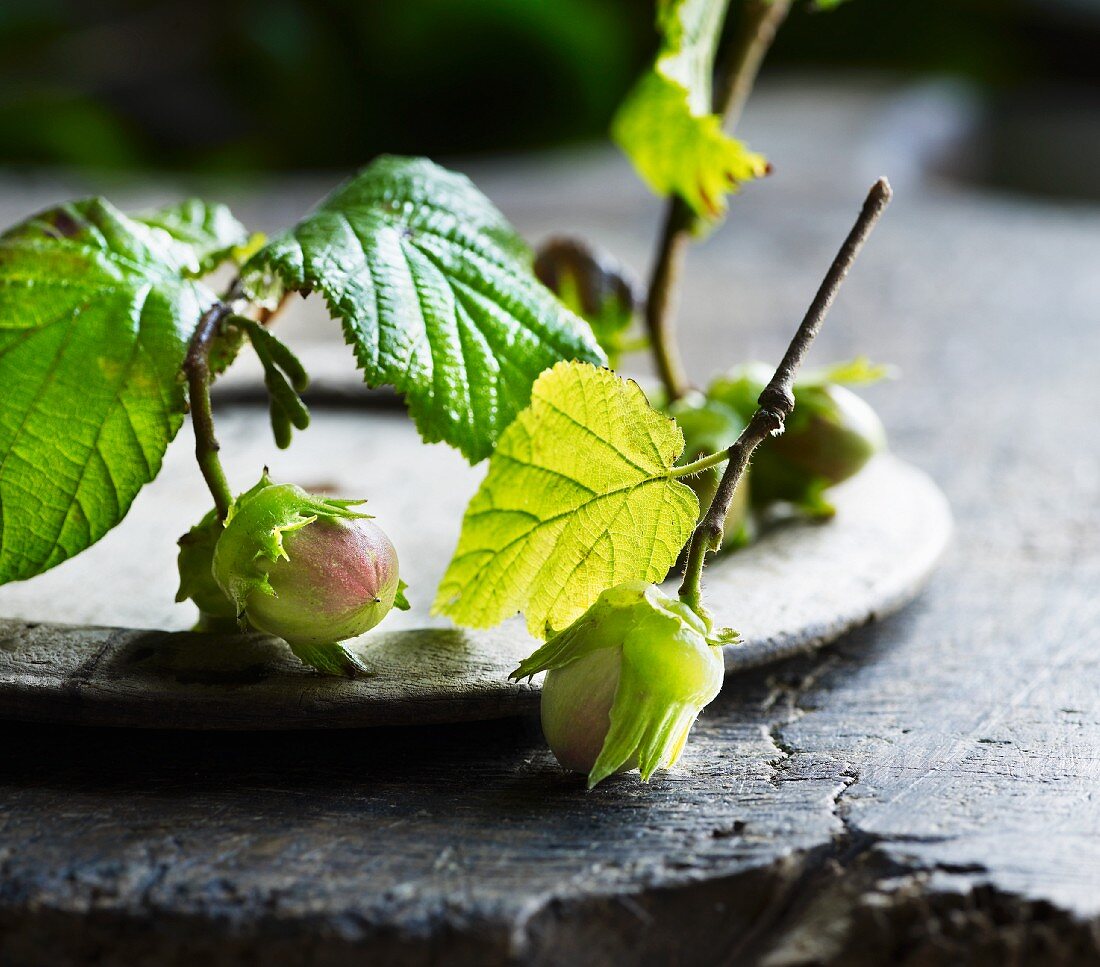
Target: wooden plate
[[97, 641]]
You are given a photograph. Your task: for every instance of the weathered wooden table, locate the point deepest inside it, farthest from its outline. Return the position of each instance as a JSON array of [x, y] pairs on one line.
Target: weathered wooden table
[[927, 790]]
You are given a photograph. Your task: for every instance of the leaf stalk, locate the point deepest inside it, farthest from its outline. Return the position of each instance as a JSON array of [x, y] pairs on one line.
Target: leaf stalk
[[698, 466]]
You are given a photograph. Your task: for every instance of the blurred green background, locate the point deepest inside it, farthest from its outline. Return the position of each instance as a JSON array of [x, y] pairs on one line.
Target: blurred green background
[[243, 85]]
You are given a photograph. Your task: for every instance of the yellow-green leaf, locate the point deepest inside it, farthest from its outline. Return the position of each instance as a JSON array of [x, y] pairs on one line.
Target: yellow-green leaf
[[666, 126], [579, 497], [853, 372]]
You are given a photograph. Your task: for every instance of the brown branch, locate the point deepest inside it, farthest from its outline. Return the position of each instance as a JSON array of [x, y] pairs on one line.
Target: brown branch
[[760, 20], [196, 367], [777, 400], [266, 317], [662, 298]]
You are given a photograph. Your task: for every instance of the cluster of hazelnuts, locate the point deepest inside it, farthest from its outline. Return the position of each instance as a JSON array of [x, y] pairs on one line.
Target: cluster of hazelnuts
[[625, 682]]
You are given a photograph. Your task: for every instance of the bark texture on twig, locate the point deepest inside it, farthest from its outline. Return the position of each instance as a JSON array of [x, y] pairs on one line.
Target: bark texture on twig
[[777, 399]]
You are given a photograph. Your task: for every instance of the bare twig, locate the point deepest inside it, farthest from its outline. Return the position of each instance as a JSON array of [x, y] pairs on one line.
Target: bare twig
[[777, 400], [741, 63]]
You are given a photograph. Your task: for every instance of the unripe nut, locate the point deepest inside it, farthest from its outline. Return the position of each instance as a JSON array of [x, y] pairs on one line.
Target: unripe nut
[[339, 581], [837, 437], [195, 560], [576, 708], [625, 681], [306, 569], [830, 436]]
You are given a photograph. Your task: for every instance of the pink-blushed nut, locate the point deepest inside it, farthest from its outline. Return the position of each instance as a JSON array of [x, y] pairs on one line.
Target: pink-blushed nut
[[338, 580], [309, 570]]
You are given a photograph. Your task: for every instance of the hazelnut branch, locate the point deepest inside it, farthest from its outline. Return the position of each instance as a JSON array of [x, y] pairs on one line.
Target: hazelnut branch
[[736, 75], [777, 400], [760, 19], [196, 367], [664, 284]]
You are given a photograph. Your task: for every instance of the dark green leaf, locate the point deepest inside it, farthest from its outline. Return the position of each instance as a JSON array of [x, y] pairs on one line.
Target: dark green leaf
[[206, 233], [436, 294], [95, 315]]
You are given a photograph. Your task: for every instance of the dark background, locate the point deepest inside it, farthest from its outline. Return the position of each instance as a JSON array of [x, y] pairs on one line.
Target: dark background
[[253, 85]]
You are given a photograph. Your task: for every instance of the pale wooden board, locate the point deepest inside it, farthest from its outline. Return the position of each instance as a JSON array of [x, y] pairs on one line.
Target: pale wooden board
[[95, 641]]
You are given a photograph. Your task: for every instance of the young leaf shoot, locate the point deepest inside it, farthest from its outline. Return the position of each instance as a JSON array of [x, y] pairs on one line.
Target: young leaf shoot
[[667, 126]]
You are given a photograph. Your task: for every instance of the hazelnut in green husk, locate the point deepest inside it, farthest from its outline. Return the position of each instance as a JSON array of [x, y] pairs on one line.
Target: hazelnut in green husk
[[626, 681], [307, 569], [196, 562], [830, 436], [196, 558], [596, 287]]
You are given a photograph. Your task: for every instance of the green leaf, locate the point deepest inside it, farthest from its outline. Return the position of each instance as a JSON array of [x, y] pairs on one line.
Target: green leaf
[[666, 126], [853, 372], [436, 294], [400, 600], [95, 315], [578, 498], [204, 234]]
